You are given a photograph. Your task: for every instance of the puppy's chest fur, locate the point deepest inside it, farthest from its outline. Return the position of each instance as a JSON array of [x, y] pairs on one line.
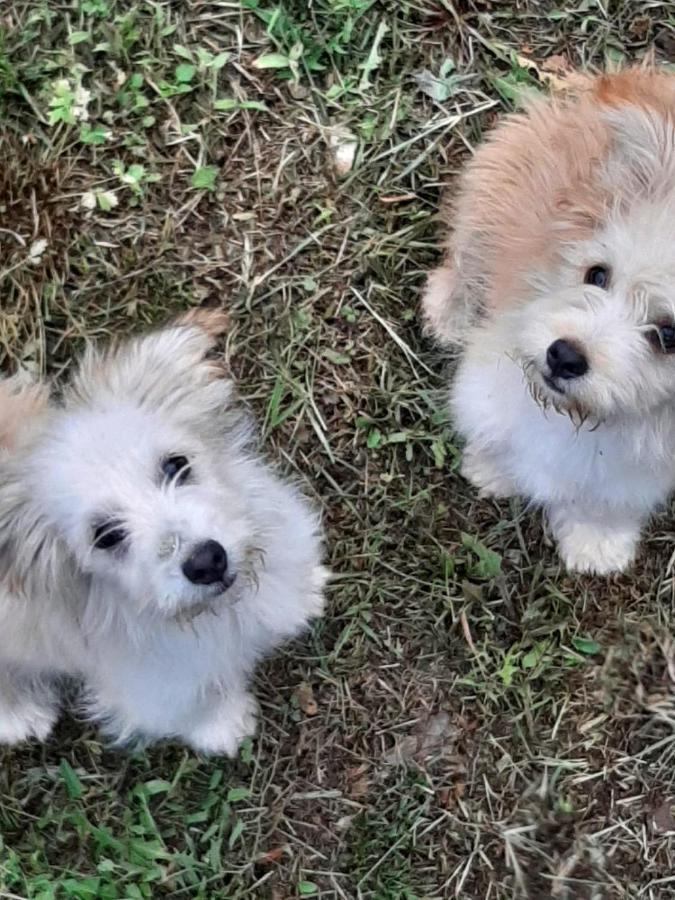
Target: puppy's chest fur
[[628, 462]]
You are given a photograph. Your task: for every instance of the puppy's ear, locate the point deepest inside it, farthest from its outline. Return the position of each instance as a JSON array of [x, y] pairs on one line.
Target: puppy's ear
[[642, 158], [34, 562], [448, 303], [214, 322], [31, 557]]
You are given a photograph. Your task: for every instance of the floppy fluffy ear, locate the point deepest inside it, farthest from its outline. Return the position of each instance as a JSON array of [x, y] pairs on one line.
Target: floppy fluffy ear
[[643, 152], [32, 558], [450, 301], [160, 370], [34, 561], [501, 217]]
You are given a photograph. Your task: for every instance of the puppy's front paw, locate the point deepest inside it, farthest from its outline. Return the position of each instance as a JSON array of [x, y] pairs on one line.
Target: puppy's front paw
[[483, 472], [225, 726], [25, 718], [316, 599], [596, 549]]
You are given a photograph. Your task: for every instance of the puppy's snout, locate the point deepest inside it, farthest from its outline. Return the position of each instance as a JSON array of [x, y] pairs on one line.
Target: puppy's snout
[[207, 564], [565, 360]]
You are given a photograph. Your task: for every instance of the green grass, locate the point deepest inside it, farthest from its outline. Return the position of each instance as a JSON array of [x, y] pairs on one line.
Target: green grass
[[486, 726]]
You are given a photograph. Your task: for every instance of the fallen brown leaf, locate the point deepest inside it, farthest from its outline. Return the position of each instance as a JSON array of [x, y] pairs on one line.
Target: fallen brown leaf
[[434, 735], [272, 856], [306, 700], [358, 782]]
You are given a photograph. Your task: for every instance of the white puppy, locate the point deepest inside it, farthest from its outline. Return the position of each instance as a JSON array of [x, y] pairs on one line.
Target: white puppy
[[147, 549], [559, 287]]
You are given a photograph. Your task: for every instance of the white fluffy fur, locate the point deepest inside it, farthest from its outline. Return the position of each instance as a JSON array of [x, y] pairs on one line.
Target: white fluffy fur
[[160, 657], [599, 483], [598, 453]]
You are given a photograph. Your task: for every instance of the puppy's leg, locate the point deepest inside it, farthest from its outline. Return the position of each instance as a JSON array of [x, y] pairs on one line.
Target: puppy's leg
[[151, 698], [598, 542], [228, 718], [280, 610], [213, 724], [28, 707], [482, 468], [312, 601]]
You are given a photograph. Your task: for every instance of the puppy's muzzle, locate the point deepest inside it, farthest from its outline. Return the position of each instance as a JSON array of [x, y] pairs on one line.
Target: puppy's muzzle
[[207, 564]]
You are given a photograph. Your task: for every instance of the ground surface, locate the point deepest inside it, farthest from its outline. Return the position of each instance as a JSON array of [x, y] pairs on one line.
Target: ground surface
[[467, 721]]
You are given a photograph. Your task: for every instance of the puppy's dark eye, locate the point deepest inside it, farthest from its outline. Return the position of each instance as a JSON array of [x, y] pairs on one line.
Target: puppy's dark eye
[[176, 469], [598, 276], [662, 337], [108, 535]]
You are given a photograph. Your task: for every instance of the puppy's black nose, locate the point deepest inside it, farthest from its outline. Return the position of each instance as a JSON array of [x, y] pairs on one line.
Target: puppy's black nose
[[207, 564], [565, 361]]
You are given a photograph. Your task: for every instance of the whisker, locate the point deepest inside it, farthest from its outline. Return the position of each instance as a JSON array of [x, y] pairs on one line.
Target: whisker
[[578, 416]]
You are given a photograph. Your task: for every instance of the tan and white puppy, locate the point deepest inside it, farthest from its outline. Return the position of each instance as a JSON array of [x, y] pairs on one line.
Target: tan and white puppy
[[146, 548], [559, 288]]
